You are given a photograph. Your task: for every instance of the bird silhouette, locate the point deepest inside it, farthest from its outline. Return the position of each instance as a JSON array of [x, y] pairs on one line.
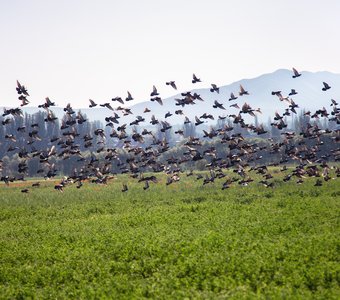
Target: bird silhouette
[[243, 91], [172, 84], [195, 79], [296, 73], [129, 97], [92, 103], [325, 86]]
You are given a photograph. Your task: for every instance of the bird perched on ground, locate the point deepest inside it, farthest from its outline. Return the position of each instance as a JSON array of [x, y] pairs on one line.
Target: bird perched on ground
[[125, 188], [292, 92]]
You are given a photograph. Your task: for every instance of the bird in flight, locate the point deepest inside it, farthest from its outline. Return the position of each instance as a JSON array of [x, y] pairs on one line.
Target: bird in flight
[[172, 84], [195, 79], [296, 73], [129, 97], [325, 86]]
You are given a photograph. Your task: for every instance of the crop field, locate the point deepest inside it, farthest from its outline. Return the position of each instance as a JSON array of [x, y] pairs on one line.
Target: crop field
[[178, 241]]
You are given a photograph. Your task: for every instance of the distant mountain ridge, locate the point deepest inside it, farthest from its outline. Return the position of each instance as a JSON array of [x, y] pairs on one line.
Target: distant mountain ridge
[[308, 86]]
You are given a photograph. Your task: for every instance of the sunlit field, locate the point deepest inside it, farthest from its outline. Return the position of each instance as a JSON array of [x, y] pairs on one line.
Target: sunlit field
[[176, 241]]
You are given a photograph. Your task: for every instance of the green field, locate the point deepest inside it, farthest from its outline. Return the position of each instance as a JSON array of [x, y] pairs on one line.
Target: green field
[[179, 241]]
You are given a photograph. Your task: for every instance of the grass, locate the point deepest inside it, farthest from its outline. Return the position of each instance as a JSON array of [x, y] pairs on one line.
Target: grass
[[170, 242]]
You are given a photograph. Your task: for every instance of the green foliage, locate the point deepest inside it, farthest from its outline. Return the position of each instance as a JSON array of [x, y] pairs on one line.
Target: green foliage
[[170, 242]]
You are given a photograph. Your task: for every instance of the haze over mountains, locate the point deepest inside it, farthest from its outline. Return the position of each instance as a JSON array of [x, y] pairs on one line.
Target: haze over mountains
[[308, 86]]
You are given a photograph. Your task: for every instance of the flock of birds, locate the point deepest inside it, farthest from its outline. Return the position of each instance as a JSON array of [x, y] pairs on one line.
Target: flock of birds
[[243, 156]]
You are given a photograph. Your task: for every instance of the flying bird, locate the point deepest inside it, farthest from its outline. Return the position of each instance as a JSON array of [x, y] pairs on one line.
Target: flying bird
[[218, 105], [107, 105], [195, 79], [172, 84], [243, 91], [214, 88], [154, 92], [325, 86], [92, 103], [232, 97], [296, 73], [21, 89], [118, 99], [129, 97]]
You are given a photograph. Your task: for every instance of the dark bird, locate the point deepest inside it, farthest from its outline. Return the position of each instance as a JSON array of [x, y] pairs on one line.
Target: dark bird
[[21, 89], [292, 92], [214, 88], [23, 100], [50, 116], [232, 97], [157, 99], [59, 187], [243, 91], [198, 121], [107, 105], [146, 186], [125, 188], [207, 116], [296, 73], [154, 92], [154, 121], [118, 99], [47, 103], [168, 114], [318, 182], [334, 103], [6, 121], [235, 105], [92, 103], [129, 97], [218, 105], [195, 79], [325, 86], [172, 84]]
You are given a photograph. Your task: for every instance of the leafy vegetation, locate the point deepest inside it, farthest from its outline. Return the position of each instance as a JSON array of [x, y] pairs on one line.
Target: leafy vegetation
[[179, 241]]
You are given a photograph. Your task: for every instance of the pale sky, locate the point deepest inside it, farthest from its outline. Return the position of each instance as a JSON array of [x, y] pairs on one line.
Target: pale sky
[[73, 50]]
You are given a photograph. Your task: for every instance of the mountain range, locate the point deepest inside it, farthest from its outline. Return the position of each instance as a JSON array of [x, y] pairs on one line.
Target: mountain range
[[308, 87]]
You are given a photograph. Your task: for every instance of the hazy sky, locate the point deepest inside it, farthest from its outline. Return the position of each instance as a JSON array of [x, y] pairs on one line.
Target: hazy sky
[[75, 50]]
